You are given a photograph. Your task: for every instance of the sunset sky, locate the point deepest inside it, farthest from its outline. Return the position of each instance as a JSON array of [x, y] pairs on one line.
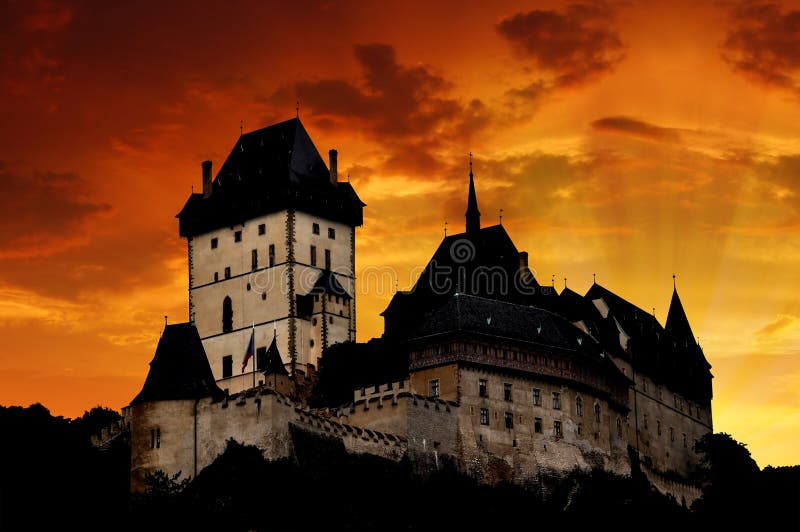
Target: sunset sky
[[633, 140]]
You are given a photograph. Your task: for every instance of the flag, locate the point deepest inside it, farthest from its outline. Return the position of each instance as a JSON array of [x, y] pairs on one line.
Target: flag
[[251, 348]]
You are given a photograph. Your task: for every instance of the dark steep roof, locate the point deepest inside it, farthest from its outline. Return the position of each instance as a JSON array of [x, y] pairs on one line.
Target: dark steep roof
[[274, 363], [507, 320], [327, 283], [677, 322], [179, 369], [268, 170], [485, 264]]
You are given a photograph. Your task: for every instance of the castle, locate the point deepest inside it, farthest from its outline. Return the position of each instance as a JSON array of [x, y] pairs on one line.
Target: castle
[[506, 379]]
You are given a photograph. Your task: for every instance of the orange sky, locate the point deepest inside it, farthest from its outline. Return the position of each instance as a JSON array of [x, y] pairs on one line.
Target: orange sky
[[631, 140]]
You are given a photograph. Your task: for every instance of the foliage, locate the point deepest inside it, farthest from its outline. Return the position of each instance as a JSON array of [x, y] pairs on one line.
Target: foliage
[[347, 366]]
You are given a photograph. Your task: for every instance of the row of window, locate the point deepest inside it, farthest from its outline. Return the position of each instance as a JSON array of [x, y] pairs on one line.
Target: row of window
[[509, 422], [677, 401], [262, 230], [313, 254], [331, 231], [155, 438], [271, 261], [658, 430], [537, 398]]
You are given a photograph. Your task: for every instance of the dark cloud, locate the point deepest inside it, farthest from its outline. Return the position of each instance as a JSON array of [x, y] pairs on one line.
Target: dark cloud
[[44, 213], [408, 109], [577, 46], [636, 128], [763, 43]]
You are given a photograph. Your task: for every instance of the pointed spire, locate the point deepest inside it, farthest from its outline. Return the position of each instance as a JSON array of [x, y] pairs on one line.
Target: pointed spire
[[677, 322], [473, 215], [274, 362]]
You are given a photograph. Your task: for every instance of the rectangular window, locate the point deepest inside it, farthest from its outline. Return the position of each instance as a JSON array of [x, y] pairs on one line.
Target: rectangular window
[[216, 276], [152, 438], [537, 425], [434, 387], [597, 413], [556, 401], [261, 358], [315, 228], [644, 421], [658, 427], [313, 255], [484, 416], [557, 429], [227, 272], [507, 391], [327, 259], [331, 233], [158, 438], [537, 397], [214, 243], [509, 420], [684, 439], [671, 434], [579, 430], [254, 259], [271, 255], [237, 236], [579, 406], [227, 366], [262, 229], [482, 388]]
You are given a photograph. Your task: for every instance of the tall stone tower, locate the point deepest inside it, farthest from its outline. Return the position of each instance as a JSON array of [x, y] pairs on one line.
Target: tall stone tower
[[271, 245]]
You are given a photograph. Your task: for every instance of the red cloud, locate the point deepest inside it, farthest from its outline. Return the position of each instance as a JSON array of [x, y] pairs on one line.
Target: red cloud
[[763, 43], [577, 45], [636, 128]]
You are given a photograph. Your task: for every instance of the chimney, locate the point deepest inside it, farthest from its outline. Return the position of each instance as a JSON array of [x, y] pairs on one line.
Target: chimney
[[523, 260], [206, 179], [334, 166]]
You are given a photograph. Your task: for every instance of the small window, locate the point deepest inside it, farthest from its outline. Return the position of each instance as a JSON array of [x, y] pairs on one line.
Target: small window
[[214, 243], [254, 259], [331, 233], [271, 255], [644, 421], [262, 229], [579, 407], [684, 439], [482, 388], [216, 276], [537, 425], [619, 427], [227, 366], [537, 397], [433, 386], [484, 416], [597, 413], [311, 343], [327, 259], [237, 236], [579, 429], [227, 314], [557, 429], [556, 401], [315, 228], [314, 321], [507, 392], [671, 434], [509, 420], [227, 272], [658, 427], [261, 358], [313, 255], [330, 319]]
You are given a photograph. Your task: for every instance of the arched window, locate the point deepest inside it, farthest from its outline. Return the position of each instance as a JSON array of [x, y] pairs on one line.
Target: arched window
[[579, 406], [227, 314]]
